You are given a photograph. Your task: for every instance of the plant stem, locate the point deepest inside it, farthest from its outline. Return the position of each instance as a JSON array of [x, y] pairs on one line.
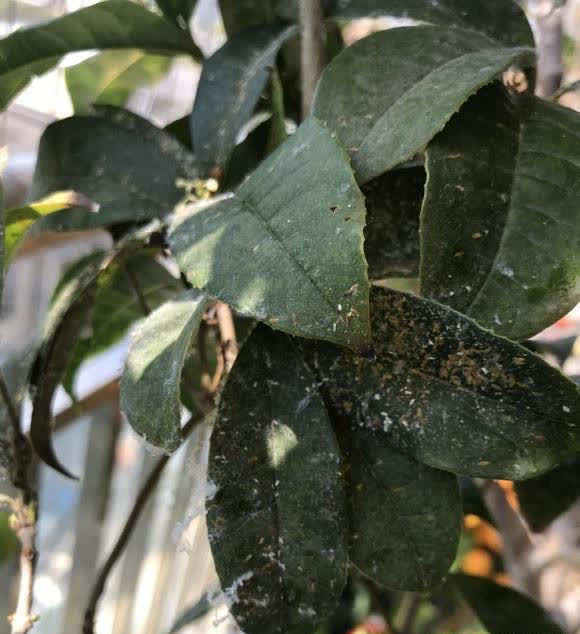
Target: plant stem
[[312, 49], [23, 518], [227, 334], [10, 407], [24, 525]]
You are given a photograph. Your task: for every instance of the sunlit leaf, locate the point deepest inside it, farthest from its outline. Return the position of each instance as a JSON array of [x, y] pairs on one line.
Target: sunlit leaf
[[112, 77], [20, 219], [384, 114], [287, 247], [150, 385], [105, 25]]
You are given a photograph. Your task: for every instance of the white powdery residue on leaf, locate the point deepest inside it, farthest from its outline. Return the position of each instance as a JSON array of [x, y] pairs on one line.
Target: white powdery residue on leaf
[[224, 600]]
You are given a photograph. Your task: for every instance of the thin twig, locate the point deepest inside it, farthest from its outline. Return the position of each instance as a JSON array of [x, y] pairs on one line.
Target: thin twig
[[312, 49], [516, 537], [23, 523], [9, 403], [227, 334], [23, 518]]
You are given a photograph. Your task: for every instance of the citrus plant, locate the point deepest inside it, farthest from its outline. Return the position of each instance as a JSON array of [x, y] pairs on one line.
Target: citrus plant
[[307, 178]]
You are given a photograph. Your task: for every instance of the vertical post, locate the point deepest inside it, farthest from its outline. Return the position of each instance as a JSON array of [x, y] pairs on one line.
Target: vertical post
[[313, 38]]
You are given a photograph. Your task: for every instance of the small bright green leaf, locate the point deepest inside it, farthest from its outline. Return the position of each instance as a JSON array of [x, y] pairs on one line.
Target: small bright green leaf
[[502, 20], [121, 161], [384, 114], [68, 314], [105, 25], [180, 11], [287, 247], [393, 202], [546, 497], [112, 77], [499, 225], [116, 305], [503, 609], [150, 385], [20, 219], [453, 395], [277, 524], [230, 85], [405, 517]]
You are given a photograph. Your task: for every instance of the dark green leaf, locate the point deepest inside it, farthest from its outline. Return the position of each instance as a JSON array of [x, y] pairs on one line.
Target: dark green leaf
[[393, 203], [69, 311], [287, 248], [105, 25], [178, 10], [116, 305], [243, 15], [384, 114], [247, 155], [502, 20], [150, 385], [68, 314], [181, 130], [499, 226], [230, 85], [546, 497], [117, 159], [502, 609], [452, 395], [405, 517], [112, 77], [277, 524]]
